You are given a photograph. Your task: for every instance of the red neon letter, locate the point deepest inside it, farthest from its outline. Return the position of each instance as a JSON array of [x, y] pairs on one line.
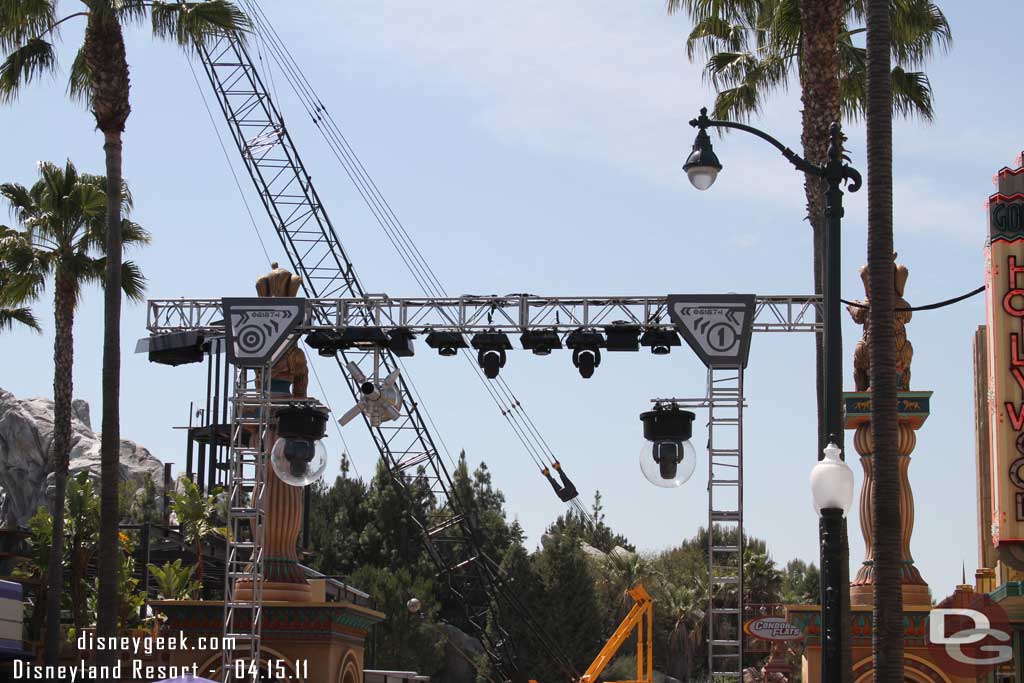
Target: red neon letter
[[1016, 418], [1011, 265], [1015, 358], [1008, 303]]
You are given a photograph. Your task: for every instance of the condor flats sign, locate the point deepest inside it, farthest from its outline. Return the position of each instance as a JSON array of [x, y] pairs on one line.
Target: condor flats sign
[[1005, 302]]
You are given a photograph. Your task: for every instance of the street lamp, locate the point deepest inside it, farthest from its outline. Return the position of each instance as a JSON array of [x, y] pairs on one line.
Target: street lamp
[[836, 489], [832, 489], [702, 167]]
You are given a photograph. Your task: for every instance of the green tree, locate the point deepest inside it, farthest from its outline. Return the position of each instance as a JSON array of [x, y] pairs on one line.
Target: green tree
[[887, 645], [99, 78], [801, 583], [82, 522], [174, 581], [62, 237], [40, 541], [753, 48], [337, 515], [404, 640], [197, 515], [570, 611]]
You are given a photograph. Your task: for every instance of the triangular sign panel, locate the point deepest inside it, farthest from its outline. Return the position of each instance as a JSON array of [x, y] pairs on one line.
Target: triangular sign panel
[[716, 326], [259, 328]]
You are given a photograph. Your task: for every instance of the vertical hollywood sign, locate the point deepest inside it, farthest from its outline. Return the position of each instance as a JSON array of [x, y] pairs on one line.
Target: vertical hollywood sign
[[1005, 299]]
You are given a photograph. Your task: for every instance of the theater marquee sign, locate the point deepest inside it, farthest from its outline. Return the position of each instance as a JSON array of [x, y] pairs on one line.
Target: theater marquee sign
[[1004, 258]]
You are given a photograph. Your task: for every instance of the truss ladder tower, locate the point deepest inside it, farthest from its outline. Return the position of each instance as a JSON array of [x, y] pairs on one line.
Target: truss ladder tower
[[725, 523], [246, 506]]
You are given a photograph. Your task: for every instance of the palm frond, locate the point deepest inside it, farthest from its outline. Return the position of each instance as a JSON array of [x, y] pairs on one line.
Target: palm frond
[[23, 65], [133, 282], [191, 24], [919, 29], [22, 20], [714, 34], [912, 94], [80, 79], [130, 11], [134, 234], [20, 200], [24, 316]]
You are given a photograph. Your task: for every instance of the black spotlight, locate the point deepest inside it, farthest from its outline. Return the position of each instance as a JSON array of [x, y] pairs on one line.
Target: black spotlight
[[668, 430], [622, 336], [400, 342], [541, 342], [446, 343], [491, 347], [586, 350], [173, 348], [326, 342], [660, 341], [363, 337]]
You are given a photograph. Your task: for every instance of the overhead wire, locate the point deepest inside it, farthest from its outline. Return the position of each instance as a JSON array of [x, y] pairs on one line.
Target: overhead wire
[[525, 429], [926, 307]]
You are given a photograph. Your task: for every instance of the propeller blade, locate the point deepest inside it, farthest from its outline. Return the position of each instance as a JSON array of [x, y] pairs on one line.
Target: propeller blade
[[351, 414], [392, 412], [392, 378], [356, 373]]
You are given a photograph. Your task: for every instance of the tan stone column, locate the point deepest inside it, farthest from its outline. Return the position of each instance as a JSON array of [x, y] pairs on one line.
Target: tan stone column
[[915, 589]]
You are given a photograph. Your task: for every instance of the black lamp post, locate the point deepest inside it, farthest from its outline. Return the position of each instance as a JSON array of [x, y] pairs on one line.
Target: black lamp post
[[702, 168]]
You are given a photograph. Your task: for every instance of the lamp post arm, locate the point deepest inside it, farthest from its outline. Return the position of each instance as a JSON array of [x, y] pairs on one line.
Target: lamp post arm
[[835, 171], [703, 122]]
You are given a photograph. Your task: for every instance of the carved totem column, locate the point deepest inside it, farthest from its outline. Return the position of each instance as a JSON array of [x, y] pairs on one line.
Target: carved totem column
[[282, 522], [913, 407]]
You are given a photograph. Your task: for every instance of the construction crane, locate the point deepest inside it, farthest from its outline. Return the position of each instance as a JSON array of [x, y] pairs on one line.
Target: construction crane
[[405, 444]]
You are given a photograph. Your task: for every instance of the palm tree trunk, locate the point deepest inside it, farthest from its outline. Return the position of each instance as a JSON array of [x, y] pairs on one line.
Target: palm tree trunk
[[108, 65], [819, 85], [63, 388], [110, 445], [888, 608]]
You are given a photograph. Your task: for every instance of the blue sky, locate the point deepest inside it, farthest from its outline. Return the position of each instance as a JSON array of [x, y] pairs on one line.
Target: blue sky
[[536, 147]]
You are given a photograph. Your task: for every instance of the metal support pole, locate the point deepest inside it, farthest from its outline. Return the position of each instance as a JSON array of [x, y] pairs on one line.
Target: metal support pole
[[830, 531], [831, 291], [166, 509], [144, 542]]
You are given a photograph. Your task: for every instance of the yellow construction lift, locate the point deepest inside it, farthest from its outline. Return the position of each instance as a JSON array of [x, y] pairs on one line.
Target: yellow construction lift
[[641, 617]]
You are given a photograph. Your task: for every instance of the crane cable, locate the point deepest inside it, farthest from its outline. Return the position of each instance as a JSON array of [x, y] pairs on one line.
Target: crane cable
[[508, 403]]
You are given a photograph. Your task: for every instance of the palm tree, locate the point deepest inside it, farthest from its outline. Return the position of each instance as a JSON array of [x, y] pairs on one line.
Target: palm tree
[[99, 77], [753, 47], [888, 613], [196, 516], [63, 232]]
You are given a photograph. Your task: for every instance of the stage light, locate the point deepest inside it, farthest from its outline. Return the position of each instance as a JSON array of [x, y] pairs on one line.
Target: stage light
[[660, 341], [173, 348], [622, 336], [586, 350], [298, 456], [446, 343], [491, 348], [668, 459], [541, 342], [400, 342]]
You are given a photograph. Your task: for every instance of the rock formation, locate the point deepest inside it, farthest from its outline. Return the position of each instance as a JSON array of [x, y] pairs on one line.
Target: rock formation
[[26, 471]]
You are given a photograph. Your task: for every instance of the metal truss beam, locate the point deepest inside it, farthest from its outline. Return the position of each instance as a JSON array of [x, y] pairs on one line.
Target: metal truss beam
[[468, 314]]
